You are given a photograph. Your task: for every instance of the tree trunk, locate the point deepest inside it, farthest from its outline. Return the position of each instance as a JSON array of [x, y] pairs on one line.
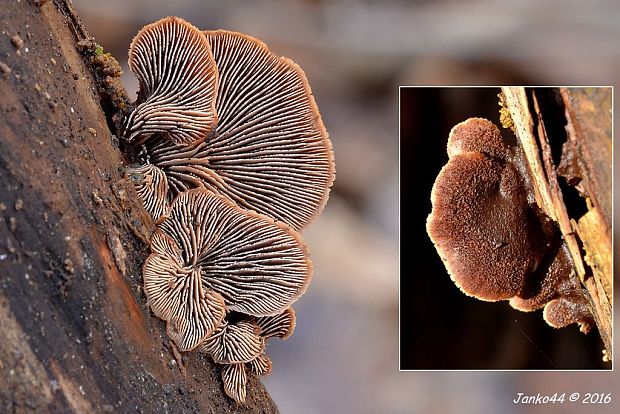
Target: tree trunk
[[76, 332]]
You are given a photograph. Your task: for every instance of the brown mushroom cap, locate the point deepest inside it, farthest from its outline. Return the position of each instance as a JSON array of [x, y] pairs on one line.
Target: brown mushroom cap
[[234, 343], [562, 312], [481, 224], [260, 267], [177, 294], [271, 152], [280, 326], [477, 135], [151, 185], [178, 83], [235, 379]]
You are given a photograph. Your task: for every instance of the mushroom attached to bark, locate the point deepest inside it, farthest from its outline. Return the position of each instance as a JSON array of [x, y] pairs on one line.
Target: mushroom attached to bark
[[178, 83], [176, 293], [235, 379], [209, 257], [151, 185], [241, 344], [494, 242], [271, 152]]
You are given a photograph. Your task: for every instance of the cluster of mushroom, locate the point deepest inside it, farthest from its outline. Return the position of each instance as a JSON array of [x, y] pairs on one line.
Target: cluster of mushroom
[[488, 230], [236, 162]]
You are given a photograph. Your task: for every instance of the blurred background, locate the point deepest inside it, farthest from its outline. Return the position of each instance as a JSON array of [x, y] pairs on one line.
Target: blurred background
[[344, 354]]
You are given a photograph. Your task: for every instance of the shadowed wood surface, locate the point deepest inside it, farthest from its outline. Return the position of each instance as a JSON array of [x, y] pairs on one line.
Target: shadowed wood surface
[[77, 334]]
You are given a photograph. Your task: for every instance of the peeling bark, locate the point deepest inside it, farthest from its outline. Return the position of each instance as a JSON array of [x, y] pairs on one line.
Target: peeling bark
[[584, 164]]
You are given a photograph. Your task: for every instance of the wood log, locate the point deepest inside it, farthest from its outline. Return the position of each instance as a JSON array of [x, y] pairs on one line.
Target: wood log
[[77, 335], [585, 164]]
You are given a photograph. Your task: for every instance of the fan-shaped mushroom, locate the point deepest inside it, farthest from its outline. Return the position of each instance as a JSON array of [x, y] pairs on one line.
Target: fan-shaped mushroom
[[176, 293], [235, 379], [208, 256], [232, 133], [480, 216], [261, 365], [234, 343], [151, 185], [271, 152], [494, 243], [562, 312], [178, 83], [278, 326]]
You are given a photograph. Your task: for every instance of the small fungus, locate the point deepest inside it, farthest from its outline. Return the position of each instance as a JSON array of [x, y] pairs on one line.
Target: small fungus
[[235, 379], [178, 82], [563, 312], [279, 326], [151, 185], [261, 365], [234, 343], [246, 343], [209, 257], [493, 239]]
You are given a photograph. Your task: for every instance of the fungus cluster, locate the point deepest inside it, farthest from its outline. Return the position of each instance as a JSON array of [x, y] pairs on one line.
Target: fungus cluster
[[266, 148], [491, 236], [236, 161]]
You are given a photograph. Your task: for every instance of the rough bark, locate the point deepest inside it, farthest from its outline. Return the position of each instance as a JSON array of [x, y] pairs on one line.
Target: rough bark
[[77, 335], [576, 125]]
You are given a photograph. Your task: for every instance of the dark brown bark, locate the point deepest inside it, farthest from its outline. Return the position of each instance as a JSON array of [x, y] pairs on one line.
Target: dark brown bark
[[76, 332]]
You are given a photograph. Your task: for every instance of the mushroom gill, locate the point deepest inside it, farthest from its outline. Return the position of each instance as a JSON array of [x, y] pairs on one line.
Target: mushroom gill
[[151, 185], [233, 343], [271, 152], [278, 326], [235, 379], [176, 293], [178, 83], [261, 365], [231, 133], [241, 344], [209, 256]]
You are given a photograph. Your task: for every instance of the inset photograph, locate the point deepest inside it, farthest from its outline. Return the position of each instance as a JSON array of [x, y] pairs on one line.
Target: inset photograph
[[506, 228]]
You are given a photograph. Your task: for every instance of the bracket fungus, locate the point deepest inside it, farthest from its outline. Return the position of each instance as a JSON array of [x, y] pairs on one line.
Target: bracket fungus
[[210, 257], [178, 82], [494, 241], [269, 150]]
